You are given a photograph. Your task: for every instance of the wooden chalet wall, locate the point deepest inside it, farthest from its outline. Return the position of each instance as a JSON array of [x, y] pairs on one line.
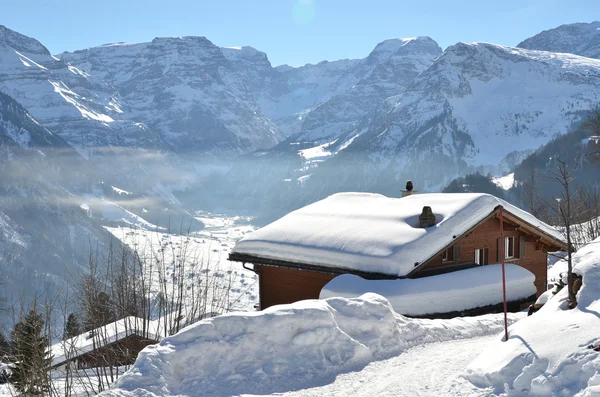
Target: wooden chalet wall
[[486, 236], [280, 285]]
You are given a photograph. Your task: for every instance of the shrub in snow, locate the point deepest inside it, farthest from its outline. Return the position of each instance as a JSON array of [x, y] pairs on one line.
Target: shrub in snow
[[548, 353], [285, 347]]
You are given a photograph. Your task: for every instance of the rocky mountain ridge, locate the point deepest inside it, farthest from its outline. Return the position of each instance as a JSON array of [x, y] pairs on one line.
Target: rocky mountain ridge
[[577, 38]]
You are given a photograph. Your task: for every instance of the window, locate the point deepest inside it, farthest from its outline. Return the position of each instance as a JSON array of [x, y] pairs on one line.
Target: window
[[509, 247], [481, 256], [447, 256]]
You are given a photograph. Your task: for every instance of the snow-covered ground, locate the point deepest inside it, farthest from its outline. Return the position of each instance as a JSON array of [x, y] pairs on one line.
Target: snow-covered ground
[[433, 369], [203, 256], [548, 354], [75, 384]]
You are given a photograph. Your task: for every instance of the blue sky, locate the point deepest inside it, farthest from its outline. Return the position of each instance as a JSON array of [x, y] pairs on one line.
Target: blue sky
[[290, 31]]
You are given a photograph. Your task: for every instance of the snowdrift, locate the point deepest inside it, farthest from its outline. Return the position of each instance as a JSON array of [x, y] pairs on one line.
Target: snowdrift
[[286, 347], [547, 354], [445, 293]]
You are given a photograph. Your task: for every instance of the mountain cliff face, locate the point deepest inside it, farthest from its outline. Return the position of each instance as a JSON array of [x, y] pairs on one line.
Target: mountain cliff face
[[72, 104], [577, 38], [387, 71], [197, 95], [184, 88]]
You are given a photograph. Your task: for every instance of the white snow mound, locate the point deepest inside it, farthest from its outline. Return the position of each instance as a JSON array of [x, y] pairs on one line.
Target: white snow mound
[[547, 353], [285, 347], [444, 293]]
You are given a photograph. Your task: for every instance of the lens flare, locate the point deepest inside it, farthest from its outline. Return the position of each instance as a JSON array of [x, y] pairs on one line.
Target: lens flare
[[303, 11]]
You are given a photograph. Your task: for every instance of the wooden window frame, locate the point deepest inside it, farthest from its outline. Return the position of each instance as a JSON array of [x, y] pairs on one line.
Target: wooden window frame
[[507, 254], [478, 257], [448, 255]]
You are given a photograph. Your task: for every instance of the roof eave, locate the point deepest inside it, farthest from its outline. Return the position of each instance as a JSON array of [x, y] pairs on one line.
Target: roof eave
[[335, 270]]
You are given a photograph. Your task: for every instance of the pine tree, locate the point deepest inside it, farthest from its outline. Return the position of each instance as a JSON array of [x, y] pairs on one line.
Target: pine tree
[[72, 328], [30, 376], [4, 345], [99, 312]]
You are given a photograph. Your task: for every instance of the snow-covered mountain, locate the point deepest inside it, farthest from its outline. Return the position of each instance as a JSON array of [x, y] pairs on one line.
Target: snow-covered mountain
[[577, 38], [186, 89], [66, 100], [44, 234], [387, 71], [198, 96], [474, 106]]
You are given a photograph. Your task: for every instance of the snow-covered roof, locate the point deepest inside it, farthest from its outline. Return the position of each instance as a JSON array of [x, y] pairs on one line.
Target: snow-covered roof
[[445, 293], [103, 336], [373, 233]]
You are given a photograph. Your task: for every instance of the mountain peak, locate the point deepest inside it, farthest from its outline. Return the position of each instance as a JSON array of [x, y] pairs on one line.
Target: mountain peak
[[244, 52], [389, 47], [20, 42], [576, 38], [183, 39]]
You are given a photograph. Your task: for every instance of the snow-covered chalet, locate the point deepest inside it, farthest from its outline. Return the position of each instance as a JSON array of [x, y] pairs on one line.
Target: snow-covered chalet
[[378, 237], [114, 344]]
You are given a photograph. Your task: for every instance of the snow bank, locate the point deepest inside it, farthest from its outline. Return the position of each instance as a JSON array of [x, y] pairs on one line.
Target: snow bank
[[444, 293], [373, 233], [286, 347], [547, 353]]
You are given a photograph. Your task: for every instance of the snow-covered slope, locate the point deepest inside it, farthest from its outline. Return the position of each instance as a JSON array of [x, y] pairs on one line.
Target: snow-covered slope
[[548, 354], [44, 235], [576, 38]]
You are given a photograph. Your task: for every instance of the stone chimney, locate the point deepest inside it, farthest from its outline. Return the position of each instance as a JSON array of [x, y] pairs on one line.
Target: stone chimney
[[409, 189], [426, 219]]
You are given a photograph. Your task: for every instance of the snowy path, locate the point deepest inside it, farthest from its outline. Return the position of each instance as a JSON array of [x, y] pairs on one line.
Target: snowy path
[[429, 370]]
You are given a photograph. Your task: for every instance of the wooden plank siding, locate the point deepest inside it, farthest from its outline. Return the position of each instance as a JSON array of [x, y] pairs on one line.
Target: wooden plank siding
[[280, 285], [486, 236]]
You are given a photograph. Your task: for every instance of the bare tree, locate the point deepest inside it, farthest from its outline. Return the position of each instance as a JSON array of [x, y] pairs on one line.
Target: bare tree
[[564, 176]]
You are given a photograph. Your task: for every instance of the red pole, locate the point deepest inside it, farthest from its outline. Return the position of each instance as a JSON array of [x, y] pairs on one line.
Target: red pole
[[502, 255]]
